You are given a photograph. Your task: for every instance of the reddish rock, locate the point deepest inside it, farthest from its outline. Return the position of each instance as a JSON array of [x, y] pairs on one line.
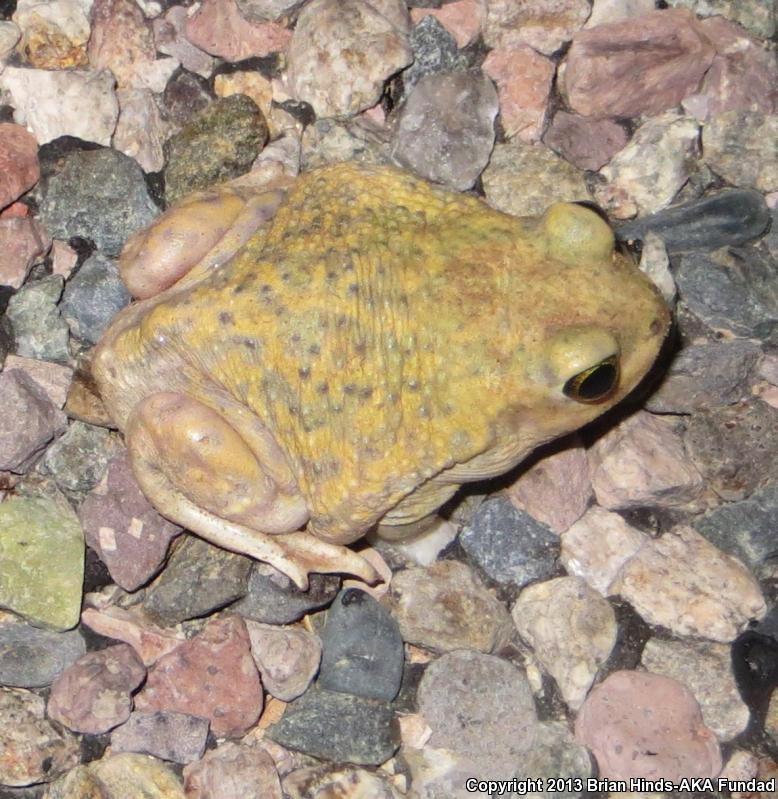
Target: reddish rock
[[637, 66], [584, 142], [63, 258], [233, 771], [219, 28], [53, 378], [523, 79], [212, 675], [19, 168], [15, 211], [463, 19], [645, 725], [163, 734], [170, 38], [23, 241], [120, 524], [93, 694]]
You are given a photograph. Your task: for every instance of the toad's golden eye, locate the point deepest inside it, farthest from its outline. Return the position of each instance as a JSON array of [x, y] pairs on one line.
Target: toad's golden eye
[[596, 383]]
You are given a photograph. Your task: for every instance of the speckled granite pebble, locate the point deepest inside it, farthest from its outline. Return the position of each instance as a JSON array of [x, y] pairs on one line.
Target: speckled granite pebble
[[233, 771], [434, 50]]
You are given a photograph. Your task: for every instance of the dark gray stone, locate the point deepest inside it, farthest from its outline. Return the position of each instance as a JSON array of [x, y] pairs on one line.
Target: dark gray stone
[[99, 195], [92, 297], [32, 658], [745, 529], [185, 95], [273, 598], [731, 217], [166, 734], [339, 727], [35, 323], [769, 624], [508, 545], [198, 579], [434, 50], [362, 649]]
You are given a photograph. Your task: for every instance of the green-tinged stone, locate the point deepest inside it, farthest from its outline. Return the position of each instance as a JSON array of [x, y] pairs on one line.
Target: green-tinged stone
[[138, 776], [41, 562], [79, 783]]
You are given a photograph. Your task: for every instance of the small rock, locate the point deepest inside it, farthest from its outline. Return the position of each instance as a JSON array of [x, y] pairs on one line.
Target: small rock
[[740, 766], [252, 84], [745, 529], [44, 590], [605, 11], [508, 545], [29, 420], [362, 651], [328, 142], [219, 28], [524, 179], [677, 581], [170, 39], [185, 96], [734, 447], [212, 675], [78, 783], [120, 524], [434, 50], [218, 144], [645, 725], [51, 104], [758, 16], [705, 376], [740, 146], [33, 749], [54, 33], [556, 754], [100, 195], [233, 771], [523, 79], [571, 629], [462, 18], [424, 549], [9, 36], [273, 598], [655, 265], [63, 258], [19, 169], [53, 378], [646, 175], [337, 726], [585, 143], [706, 669], [141, 130], [445, 608], [287, 658], [23, 242], [166, 735], [637, 66], [642, 461], [330, 780], [445, 131], [33, 658], [267, 10], [38, 329], [128, 774], [93, 694]]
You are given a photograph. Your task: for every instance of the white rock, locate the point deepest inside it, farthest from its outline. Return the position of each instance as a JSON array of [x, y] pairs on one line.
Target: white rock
[[605, 11], [9, 36], [655, 263]]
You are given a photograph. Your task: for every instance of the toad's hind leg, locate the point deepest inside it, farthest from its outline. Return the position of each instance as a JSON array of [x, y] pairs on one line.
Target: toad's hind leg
[[197, 470]]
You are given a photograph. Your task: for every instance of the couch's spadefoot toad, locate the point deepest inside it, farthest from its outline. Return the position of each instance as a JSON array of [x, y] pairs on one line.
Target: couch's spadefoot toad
[[355, 358]]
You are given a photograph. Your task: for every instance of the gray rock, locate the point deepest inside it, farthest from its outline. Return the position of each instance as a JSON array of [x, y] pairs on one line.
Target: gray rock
[[328, 141], [99, 195], [33, 658], [273, 598], [555, 754], [185, 95], [445, 131], [434, 50], [731, 217], [339, 727], [509, 545], [164, 734], [198, 579], [362, 649], [92, 297], [37, 327]]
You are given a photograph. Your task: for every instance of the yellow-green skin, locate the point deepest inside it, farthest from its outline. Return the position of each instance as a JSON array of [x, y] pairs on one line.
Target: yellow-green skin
[[390, 339]]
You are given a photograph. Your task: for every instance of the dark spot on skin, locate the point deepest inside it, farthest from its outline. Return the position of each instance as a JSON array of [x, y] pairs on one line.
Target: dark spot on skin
[[403, 300], [353, 289], [295, 338], [365, 393], [349, 388], [294, 410], [342, 321], [413, 385], [323, 388], [332, 276], [304, 372], [266, 288], [656, 326], [285, 277], [226, 318], [360, 348], [314, 349]]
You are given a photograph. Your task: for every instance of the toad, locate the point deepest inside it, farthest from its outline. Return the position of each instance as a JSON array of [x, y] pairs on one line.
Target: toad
[[308, 362]]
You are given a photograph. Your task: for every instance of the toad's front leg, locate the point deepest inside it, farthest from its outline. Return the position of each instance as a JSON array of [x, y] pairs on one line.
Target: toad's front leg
[[198, 470]]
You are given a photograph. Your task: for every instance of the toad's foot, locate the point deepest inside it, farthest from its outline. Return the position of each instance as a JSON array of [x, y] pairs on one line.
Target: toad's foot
[[197, 470]]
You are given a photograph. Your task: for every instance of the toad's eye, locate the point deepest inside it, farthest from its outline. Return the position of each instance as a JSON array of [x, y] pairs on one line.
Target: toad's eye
[[596, 383]]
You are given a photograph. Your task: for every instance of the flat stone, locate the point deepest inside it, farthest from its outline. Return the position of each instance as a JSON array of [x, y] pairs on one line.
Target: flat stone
[[677, 581], [260, 10], [758, 16], [53, 378], [19, 169], [556, 754], [54, 33], [233, 771], [319, 782], [164, 734], [44, 590], [509, 545], [24, 242], [571, 629], [211, 675], [141, 130], [34, 658], [584, 142], [462, 18], [639, 724], [445, 607], [362, 650], [624, 69], [128, 774], [605, 11], [38, 329], [328, 141], [434, 50], [185, 95], [337, 726], [63, 258], [170, 39], [93, 694]]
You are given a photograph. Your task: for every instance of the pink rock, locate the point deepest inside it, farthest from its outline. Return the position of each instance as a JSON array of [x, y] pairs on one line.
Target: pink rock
[[639, 724], [170, 38], [23, 240], [233, 771], [742, 77], [19, 168], [212, 675], [219, 28], [523, 79], [544, 25], [15, 210], [93, 694], [164, 734], [53, 378], [584, 142], [637, 66], [463, 19], [63, 258], [140, 130]]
